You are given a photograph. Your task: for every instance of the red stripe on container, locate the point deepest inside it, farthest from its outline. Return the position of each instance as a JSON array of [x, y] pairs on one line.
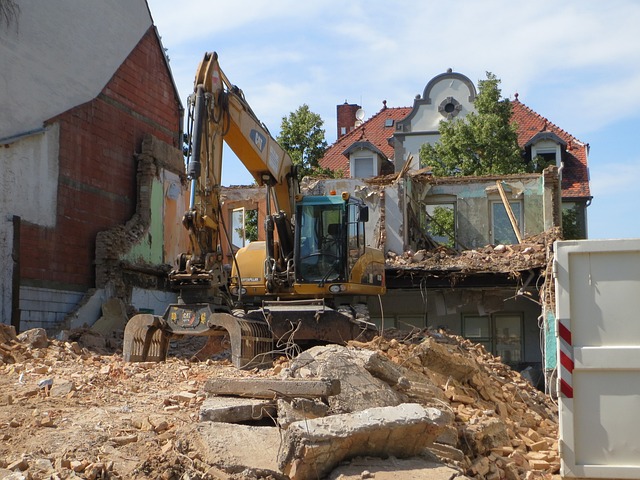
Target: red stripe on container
[[566, 362], [566, 389], [565, 333]]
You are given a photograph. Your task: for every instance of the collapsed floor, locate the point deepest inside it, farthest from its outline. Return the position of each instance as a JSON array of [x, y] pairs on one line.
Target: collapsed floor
[[74, 408]]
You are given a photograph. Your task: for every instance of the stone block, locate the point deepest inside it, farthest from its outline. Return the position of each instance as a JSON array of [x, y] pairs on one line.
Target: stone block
[[236, 410], [314, 447]]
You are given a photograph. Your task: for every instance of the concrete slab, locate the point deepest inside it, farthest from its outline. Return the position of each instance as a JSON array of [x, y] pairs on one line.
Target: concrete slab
[[270, 387], [393, 468], [236, 410], [314, 447], [237, 448]]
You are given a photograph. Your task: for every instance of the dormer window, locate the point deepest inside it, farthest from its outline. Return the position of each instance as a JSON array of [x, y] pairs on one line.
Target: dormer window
[[546, 149], [364, 159]]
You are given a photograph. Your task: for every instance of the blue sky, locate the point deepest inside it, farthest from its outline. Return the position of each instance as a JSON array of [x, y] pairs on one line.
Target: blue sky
[[575, 62]]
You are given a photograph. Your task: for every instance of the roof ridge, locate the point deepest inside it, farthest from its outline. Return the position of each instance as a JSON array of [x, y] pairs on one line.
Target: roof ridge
[[548, 122]]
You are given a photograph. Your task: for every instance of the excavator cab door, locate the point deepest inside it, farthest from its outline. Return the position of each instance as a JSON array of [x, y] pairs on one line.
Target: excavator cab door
[[320, 241]]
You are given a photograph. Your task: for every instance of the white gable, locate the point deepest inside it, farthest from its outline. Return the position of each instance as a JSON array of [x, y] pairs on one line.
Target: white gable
[[446, 96], [61, 54]]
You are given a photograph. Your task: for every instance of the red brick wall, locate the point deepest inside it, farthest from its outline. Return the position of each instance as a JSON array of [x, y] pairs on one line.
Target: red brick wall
[[97, 179]]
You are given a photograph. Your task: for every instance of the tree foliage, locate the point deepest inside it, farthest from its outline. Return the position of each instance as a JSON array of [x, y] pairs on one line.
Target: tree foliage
[[570, 227], [251, 225], [484, 142], [303, 137], [441, 223]]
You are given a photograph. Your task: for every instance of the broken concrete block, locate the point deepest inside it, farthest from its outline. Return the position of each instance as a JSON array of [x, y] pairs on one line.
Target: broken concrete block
[[35, 338], [394, 468], [488, 435], [271, 388], [62, 389], [297, 409], [446, 360], [416, 387], [236, 447], [236, 410], [114, 318], [359, 389], [447, 452], [312, 448]]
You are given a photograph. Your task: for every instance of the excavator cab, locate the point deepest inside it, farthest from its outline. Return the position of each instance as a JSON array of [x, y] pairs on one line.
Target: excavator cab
[[330, 233], [319, 227]]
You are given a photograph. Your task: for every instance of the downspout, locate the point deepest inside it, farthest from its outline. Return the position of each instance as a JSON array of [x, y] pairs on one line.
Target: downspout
[[559, 196]]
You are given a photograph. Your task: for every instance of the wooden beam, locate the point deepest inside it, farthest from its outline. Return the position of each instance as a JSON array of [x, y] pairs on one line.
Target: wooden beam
[[507, 206], [271, 388]]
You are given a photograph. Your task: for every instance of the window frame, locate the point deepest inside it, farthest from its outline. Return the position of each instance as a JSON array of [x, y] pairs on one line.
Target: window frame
[[519, 218], [374, 164], [490, 341]]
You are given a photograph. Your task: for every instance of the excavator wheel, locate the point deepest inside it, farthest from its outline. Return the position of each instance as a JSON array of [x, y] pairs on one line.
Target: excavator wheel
[[144, 339]]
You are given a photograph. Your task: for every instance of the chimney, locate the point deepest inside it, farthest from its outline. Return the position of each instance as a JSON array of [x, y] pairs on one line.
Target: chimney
[[346, 118]]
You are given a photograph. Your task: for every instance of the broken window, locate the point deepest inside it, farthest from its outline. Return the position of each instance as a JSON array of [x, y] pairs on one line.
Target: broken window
[[499, 333], [244, 227], [502, 231], [573, 223], [440, 223]]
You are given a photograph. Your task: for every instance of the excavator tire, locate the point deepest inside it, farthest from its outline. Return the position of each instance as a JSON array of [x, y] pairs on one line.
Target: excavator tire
[[144, 339]]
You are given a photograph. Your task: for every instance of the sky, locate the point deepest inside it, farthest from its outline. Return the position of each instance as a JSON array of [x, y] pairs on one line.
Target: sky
[[575, 62]]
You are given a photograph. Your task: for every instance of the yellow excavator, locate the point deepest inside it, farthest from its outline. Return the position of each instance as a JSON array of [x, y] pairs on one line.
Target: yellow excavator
[[307, 282]]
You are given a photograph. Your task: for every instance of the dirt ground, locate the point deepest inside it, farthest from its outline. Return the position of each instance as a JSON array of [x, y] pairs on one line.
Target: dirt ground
[[101, 417], [73, 408]]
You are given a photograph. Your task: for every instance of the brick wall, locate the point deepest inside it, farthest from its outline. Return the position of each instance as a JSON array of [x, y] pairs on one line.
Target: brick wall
[[97, 179], [346, 117]]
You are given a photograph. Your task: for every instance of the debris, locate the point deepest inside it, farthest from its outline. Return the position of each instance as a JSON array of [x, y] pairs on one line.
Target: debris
[[35, 338], [142, 420]]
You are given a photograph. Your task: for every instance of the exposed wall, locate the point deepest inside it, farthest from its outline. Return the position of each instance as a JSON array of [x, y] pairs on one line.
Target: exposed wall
[[473, 197], [138, 253], [28, 190], [406, 308], [78, 178]]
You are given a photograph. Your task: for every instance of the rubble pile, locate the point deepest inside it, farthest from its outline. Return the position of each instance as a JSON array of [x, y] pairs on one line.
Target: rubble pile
[[503, 427], [531, 253], [431, 404]]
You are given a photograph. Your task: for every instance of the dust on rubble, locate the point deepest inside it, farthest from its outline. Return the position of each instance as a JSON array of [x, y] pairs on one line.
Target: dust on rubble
[[69, 411]]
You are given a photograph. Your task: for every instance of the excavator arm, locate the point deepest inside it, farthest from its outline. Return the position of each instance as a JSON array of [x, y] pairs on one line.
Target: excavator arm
[[219, 113]]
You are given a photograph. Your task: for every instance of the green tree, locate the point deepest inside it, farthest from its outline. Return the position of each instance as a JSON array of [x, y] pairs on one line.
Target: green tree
[[303, 137], [485, 142], [251, 225], [570, 228], [441, 223]]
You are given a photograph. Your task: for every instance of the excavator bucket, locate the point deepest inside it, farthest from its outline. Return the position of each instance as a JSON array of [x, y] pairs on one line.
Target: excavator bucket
[[144, 339]]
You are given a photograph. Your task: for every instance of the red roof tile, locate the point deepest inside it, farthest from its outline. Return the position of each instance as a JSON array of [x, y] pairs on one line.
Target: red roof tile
[[373, 131], [575, 176]]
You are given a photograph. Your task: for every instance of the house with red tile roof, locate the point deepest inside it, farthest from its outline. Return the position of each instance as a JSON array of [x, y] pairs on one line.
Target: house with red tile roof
[[386, 141]]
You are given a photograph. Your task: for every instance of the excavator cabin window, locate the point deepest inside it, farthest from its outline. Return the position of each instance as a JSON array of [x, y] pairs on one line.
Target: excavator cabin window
[[321, 244]]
